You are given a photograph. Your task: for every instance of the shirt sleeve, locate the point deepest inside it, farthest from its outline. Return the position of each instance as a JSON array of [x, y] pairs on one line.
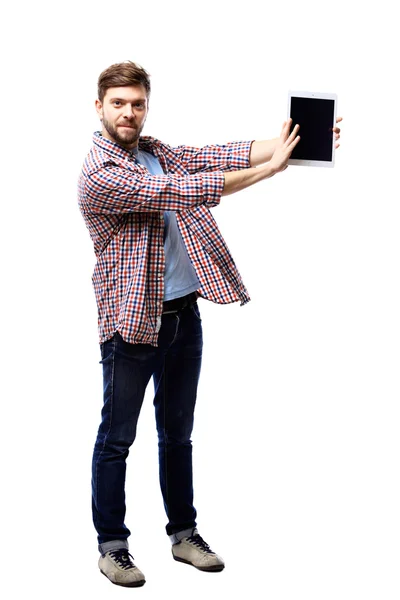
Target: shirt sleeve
[[115, 190], [233, 156]]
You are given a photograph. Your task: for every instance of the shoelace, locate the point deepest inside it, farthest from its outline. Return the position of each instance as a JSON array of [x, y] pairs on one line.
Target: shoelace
[[197, 540], [123, 558]]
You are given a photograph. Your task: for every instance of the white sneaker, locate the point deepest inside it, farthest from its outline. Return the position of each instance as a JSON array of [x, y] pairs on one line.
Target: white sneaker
[[118, 566], [193, 550]]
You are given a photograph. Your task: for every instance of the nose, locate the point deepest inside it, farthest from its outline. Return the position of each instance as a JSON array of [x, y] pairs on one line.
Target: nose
[[128, 111]]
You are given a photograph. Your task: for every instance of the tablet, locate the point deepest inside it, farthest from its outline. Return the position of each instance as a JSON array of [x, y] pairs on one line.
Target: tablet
[[316, 114]]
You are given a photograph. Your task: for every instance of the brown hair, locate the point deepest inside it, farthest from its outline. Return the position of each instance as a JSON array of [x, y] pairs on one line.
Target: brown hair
[[120, 75]]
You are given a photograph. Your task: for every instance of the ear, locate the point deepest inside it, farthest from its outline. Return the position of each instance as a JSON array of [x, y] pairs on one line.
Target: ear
[[99, 109]]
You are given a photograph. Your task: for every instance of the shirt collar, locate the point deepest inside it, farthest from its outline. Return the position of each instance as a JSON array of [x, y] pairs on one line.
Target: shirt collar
[[146, 143]]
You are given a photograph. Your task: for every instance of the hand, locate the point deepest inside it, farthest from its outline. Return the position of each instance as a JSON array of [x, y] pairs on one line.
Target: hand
[[336, 131], [284, 147]]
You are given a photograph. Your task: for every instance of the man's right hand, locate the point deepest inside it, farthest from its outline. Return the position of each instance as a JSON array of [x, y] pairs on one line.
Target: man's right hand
[[239, 180], [284, 147]]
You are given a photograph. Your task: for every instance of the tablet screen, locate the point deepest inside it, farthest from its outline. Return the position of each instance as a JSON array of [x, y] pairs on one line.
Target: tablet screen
[[315, 117]]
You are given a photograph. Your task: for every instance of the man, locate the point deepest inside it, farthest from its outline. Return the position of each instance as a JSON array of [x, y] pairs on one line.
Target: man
[[158, 249]]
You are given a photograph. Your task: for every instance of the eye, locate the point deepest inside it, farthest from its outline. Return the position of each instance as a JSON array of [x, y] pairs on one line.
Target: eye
[[139, 105], [117, 103]]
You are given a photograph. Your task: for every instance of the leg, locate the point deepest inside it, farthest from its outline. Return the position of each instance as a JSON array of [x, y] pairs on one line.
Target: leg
[[127, 369], [175, 385]]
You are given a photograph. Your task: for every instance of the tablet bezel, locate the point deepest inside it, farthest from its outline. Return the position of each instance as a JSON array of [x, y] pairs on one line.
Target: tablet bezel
[[316, 95]]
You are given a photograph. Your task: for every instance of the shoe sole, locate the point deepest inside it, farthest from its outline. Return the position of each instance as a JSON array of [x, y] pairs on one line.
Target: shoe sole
[[213, 569], [133, 584]]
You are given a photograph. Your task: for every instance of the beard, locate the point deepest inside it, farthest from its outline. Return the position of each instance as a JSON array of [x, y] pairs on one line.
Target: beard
[[125, 137]]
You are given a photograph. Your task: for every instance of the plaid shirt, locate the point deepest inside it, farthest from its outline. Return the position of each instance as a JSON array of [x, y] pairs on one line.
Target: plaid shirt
[[123, 207]]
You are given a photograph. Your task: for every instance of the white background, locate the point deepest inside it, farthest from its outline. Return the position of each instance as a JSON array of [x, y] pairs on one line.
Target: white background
[[296, 444]]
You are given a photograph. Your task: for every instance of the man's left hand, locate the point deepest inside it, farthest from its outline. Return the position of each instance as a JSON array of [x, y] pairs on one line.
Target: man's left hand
[[336, 131]]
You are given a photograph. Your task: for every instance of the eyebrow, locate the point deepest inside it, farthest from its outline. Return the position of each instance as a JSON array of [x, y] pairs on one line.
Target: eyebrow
[[124, 100]]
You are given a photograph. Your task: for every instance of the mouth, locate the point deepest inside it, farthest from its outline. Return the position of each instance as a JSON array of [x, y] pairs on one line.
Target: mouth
[[126, 126]]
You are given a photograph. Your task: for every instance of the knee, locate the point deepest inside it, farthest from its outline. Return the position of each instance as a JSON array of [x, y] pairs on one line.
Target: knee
[[118, 439], [174, 438]]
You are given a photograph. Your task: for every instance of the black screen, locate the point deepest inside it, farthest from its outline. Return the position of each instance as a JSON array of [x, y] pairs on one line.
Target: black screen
[[315, 117]]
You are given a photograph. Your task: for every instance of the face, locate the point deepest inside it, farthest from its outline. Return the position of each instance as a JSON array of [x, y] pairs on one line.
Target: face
[[123, 113]]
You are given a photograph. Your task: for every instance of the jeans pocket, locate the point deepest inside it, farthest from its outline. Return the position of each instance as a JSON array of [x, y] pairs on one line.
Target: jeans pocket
[[196, 311], [107, 349]]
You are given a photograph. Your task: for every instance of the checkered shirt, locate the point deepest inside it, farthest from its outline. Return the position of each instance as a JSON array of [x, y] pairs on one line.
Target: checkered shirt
[[123, 207]]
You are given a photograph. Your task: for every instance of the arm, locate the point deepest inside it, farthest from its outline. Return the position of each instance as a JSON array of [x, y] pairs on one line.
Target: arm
[[227, 157], [239, 180], [261, 152], [278, 160], [114, 190]]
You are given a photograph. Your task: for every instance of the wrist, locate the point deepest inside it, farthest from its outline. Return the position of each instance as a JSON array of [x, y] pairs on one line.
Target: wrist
[[269, 170], [261, 151]]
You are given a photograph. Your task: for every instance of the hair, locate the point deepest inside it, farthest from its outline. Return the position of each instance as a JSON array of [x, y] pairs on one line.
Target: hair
[[120, 75]]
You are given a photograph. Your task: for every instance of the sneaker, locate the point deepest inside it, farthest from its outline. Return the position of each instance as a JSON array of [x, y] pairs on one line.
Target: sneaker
[[193, 550], [118, 566]]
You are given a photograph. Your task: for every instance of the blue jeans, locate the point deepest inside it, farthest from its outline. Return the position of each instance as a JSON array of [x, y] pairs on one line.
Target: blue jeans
[[127, 369]]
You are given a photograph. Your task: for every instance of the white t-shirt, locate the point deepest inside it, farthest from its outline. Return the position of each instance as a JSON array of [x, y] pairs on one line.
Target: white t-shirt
[[179, 276]]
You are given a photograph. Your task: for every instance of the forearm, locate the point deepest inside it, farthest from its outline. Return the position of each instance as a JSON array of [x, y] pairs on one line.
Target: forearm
[[232, 156], [239, 180], [114, 190], [261, 152]]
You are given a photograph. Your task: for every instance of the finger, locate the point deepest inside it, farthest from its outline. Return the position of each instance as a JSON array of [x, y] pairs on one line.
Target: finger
[[285, 130], [336, 129], [293, 134], [338, 119], [337, 145], [293, 144]]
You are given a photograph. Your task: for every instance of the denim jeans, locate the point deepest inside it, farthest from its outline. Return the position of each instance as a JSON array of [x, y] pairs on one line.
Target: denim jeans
[[127, 369]]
